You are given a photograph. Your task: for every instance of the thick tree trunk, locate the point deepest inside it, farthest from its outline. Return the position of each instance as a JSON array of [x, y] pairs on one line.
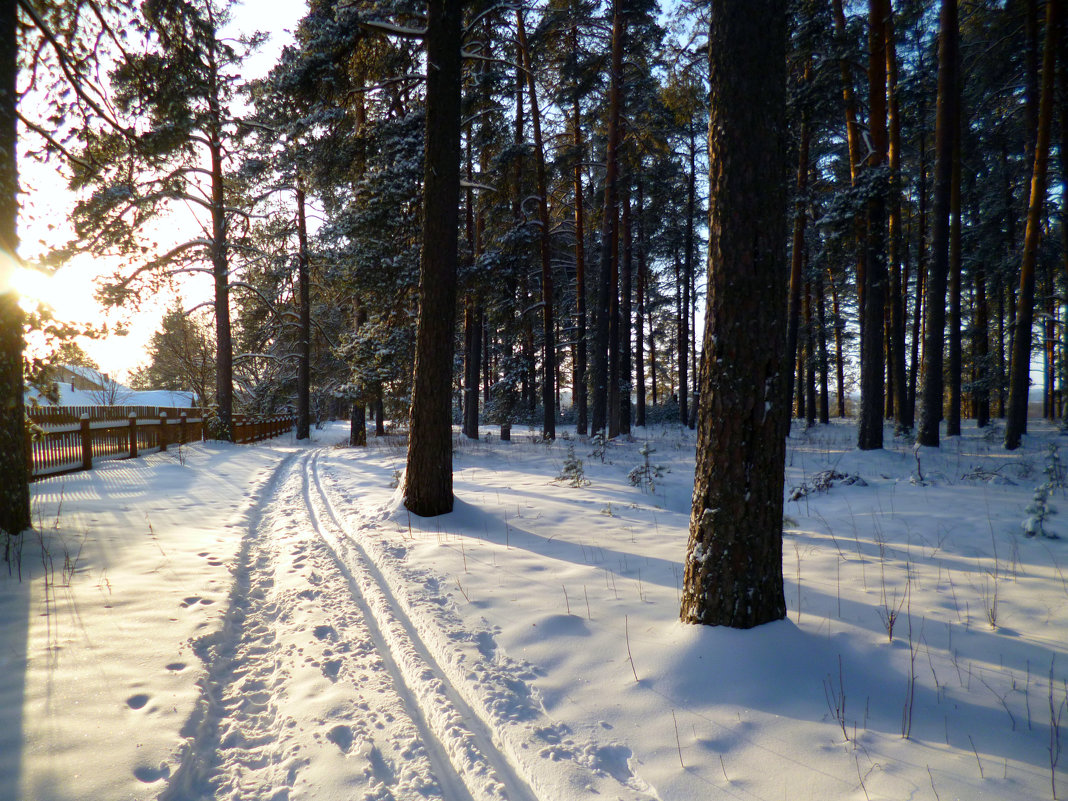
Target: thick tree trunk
[[304, 350], [733, 573], [872, 365], [358, 424], [428, 478], [14, 456], [927, 433], [1020, 366]]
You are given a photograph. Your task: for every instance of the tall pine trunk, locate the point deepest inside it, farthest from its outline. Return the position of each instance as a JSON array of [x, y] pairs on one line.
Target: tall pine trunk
[[579, 382], [870, 429], [733, 571], [639, 322], [14, 456], [896, 252], [609, 232], [1019, 367], [797, 245], [548, 328], [625, 286], [224, 365], [428, 478], [304, 350], [955, 366], [927, 432]]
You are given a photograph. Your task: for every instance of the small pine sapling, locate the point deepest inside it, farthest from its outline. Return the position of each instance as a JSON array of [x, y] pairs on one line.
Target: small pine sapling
[[1039, 510], [573, 473], [600, 445], [646, 474]]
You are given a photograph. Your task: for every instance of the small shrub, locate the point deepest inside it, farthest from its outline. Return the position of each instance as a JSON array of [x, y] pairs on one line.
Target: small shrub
[[600, 445], [573, 474], [646, 474]]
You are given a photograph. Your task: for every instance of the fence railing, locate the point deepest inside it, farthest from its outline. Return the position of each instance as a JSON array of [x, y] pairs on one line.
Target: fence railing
[[46, 416], [67, 447]]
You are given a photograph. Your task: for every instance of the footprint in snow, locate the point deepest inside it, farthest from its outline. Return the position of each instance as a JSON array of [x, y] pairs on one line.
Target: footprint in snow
[[148, 774], [137, 701], [322, 632], [341, 736]]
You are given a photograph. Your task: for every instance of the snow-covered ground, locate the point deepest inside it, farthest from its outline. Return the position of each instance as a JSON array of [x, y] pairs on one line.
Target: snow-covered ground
[[267, 622]]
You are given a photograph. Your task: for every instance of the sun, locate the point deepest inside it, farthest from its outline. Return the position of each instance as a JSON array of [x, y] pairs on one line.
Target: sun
[[69, 293]]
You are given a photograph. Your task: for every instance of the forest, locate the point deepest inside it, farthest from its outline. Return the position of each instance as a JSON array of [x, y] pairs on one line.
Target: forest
[[925, 261]]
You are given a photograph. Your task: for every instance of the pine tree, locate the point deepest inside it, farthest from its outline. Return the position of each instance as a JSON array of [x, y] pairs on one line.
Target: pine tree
[[428, 478], [734, 558]]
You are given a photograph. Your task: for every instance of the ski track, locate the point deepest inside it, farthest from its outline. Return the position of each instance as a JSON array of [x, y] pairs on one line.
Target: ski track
[[327, 681], [493, 690], [296, 667]]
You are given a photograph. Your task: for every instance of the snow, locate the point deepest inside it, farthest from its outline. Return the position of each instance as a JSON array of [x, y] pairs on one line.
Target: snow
[[268, 622], [68, 396]]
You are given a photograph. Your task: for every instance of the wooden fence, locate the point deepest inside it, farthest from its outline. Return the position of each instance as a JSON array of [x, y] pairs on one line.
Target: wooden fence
[[69, 447], [46, 416]]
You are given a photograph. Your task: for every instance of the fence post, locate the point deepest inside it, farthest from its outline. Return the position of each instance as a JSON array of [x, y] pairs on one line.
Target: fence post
[[182, 434], [87, 444], [162, 432], [133, 435], [29, 453]]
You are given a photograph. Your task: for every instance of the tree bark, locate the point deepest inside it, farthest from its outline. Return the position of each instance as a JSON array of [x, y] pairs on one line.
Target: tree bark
[[639, 323], [798, 240], [304, 349], [1020, 366], [14, 457], [839, 354], [733, 572], [579, 385], [955, 357], [872, 365], [927, 432], [428, 478], [625, 286], [609, 232], [687, 279], [896, 253], [358, 424], [548, 328], [224, 368], [821, 341]]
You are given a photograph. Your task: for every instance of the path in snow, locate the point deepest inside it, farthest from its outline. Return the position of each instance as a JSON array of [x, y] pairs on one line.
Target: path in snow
[[318, 685]]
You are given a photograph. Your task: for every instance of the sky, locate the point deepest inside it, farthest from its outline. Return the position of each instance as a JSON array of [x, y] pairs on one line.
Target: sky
[[70, 291]]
